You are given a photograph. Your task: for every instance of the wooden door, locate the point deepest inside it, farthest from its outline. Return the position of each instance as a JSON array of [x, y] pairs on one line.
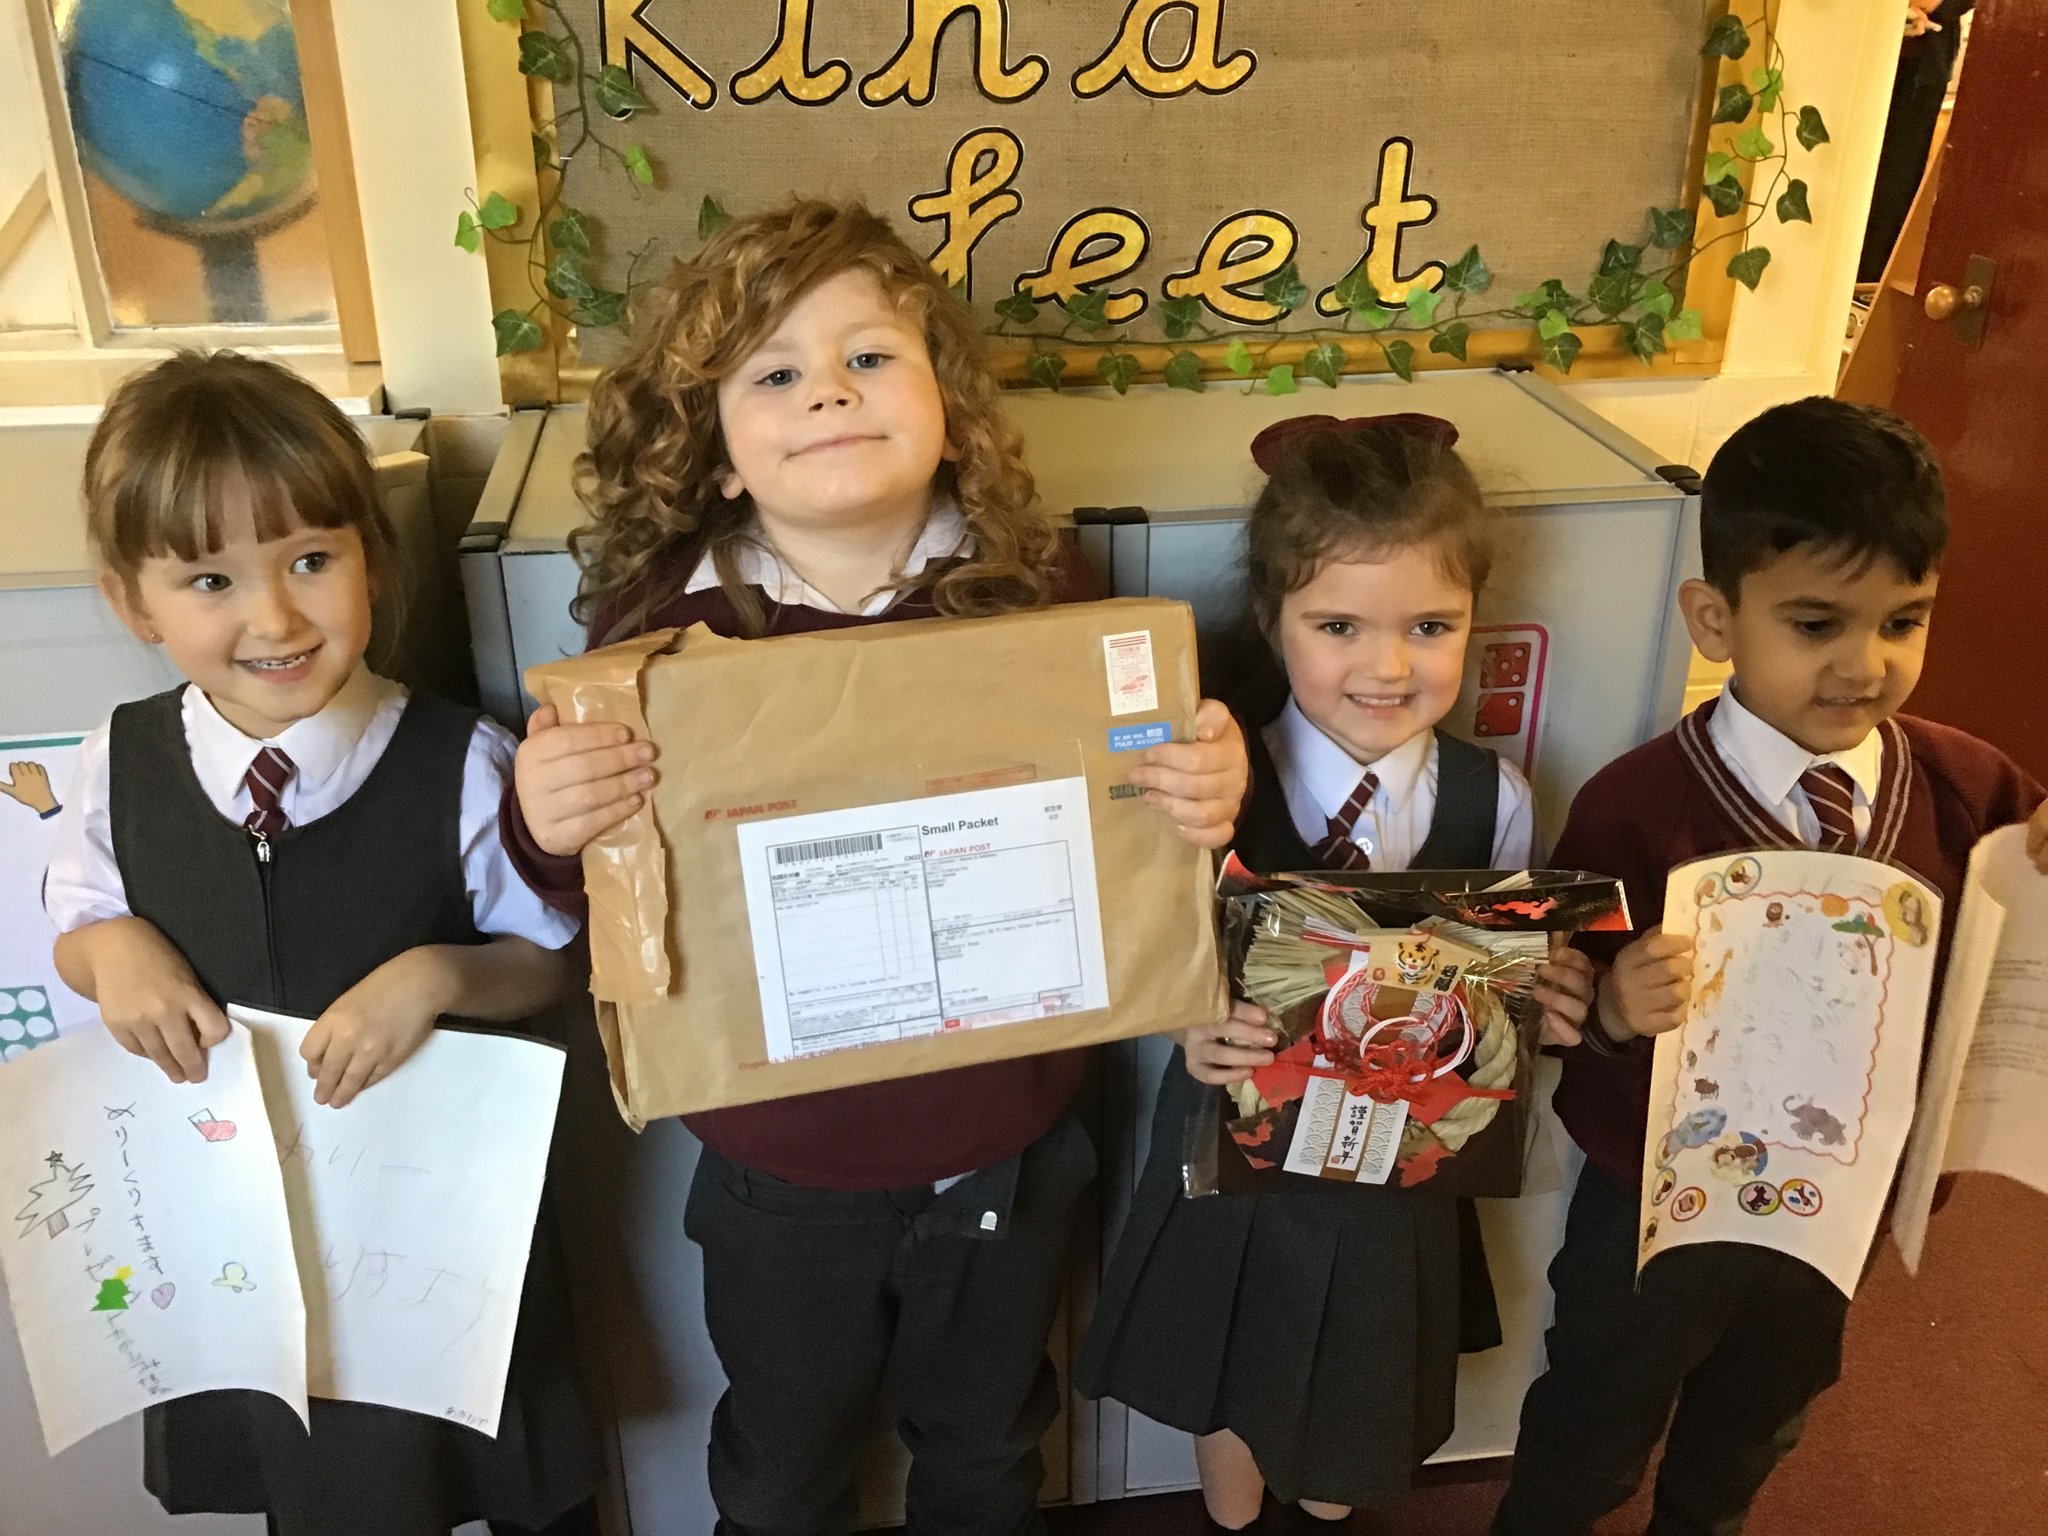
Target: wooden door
[[1985, 405]]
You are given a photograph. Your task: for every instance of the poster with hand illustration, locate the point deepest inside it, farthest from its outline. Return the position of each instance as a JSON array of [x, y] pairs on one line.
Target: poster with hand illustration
[[35, 1007], [1779, 1108]]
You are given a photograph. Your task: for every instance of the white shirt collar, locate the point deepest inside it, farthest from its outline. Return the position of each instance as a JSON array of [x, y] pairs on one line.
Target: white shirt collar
[[1773, 761], [1329, 773], [317, 745], [945, 534]]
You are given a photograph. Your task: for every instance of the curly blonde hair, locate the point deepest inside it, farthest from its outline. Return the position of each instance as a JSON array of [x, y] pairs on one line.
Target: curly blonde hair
[[650, 473]]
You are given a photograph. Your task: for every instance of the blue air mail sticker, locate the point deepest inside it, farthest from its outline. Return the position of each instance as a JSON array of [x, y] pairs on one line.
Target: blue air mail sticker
[[1133, 679], [919, 917], [1136, 738]]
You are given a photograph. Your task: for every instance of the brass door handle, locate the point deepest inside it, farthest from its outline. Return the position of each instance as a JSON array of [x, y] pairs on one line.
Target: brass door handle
[[1944, 302], [1967, 304]]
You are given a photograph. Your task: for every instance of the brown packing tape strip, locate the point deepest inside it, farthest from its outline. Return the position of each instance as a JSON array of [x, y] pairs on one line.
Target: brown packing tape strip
[[625, 872]]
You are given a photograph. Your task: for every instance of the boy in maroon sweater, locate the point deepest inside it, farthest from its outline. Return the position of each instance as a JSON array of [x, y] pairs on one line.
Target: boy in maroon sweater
[[1821, 532]]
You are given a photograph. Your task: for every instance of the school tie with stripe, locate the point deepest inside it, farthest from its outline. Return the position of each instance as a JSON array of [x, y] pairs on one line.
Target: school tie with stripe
[[1338, 850], [1833, 798], [265, 782]]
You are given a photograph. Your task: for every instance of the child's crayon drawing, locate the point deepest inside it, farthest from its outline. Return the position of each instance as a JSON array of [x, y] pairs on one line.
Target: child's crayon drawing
[[1786, 1091]]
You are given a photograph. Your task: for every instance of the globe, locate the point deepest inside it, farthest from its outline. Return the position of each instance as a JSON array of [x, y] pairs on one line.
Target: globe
[[191, 109]]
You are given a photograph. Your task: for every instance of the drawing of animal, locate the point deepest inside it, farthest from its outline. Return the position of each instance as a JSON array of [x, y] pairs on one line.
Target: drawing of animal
[[1707, 994], [1414, 958], [1706, 1087], [1815, 1123]]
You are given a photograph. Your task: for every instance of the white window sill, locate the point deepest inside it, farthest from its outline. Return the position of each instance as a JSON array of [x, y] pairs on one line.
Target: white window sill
[[68, 386]]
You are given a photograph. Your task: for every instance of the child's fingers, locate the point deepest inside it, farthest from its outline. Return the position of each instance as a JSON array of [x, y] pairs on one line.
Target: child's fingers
[[181, 1041], [575, 833], [598, 757], [208, 1022], [362, 1072], [337, 1066], [1560, 1031], [1214, 721], [1249, 1014], [543, 719]]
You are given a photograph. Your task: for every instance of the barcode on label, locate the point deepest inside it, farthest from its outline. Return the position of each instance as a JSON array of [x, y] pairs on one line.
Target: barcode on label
[[829, 848]]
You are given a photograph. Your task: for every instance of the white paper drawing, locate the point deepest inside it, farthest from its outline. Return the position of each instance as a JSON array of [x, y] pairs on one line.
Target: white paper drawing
[[1779, 1108], [1987, 1071], [413, 1211], [35, 1005], [129, 1198]]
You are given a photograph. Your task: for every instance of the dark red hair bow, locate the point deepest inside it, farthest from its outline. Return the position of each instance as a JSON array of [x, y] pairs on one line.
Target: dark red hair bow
[[1267, 446]]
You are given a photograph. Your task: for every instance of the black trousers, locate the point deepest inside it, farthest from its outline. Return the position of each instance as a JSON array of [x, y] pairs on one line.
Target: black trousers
[[821, 1303], [1738, 1340]]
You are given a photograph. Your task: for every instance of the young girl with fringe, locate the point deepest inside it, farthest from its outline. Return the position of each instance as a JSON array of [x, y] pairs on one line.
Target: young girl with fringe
[[1310, 1339], [290, 831], [807, 436]]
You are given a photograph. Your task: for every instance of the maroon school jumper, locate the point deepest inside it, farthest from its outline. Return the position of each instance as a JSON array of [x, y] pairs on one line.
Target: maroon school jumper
[[1673, 800], [886, 1135]]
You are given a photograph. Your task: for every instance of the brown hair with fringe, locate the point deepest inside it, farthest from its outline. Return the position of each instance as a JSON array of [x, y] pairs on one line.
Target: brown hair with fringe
[[650, 473], [181, 441], [1362, 493]]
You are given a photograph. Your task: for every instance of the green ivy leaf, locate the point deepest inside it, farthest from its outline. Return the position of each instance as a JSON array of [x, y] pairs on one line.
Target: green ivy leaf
[[1086, 310], [1324, 362], [1671, 227], [1045, 368], [1618, 259], [1118, 370], [1468, 274], [1811, 131], [1644, 337], [1733, 104], [1747, 268], [1611, 295], [1019, 308], [1562, 350], [1280, 380], [1400, 358], [1770, 85], [1451, 339], [1422, 303], [571, 232], [1656, 299], [516, 332], [543, 152], [1727, 38], [1552, 324], [1754, 144], [467, 235], [1726, 195], [601, 307], [1238, 357], [1792, 204], [1374, 317], [617, 96], [1284, 289], [1719, 164], [1177, 318], [542, 54], [641, 169], [498, 212], [711, 217], [1354, 291], [1686, 325], [507, 10], [1184, 371], [1552, 295], [565, 278]]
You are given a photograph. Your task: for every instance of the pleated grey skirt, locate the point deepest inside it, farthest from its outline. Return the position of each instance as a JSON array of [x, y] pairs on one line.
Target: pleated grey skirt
[[1322, 1326]]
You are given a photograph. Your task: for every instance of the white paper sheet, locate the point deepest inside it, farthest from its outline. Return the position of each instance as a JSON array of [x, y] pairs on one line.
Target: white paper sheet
[[413, 1211], [1778, 1110], [961, 911], [1987, 1073], [147, 1253]]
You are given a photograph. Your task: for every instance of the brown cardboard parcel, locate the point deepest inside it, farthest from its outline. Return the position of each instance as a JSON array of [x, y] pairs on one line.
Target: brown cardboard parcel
[[891, 927]]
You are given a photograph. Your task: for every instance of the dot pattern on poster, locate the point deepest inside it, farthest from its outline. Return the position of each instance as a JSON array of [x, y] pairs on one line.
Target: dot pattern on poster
[[25, 1021]]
